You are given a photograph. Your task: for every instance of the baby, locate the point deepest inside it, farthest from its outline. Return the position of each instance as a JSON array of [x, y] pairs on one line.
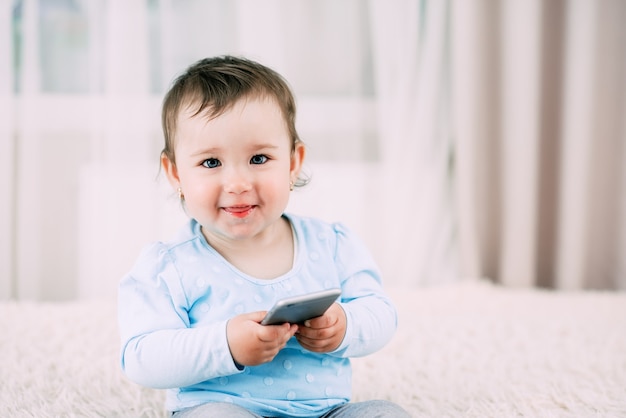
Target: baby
[[190, 310]]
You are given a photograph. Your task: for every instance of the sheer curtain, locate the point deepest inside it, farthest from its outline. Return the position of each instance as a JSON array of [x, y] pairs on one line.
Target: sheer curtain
[[412, 54], [539, 93]]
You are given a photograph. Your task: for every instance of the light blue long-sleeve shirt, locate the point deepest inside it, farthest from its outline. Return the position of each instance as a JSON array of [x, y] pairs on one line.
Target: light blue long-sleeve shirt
[[176, 301]]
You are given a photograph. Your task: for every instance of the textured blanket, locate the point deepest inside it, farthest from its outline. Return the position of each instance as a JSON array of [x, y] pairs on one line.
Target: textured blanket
[[465, 350]]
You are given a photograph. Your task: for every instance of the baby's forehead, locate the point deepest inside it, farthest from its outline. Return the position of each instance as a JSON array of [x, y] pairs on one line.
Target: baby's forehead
[[199, 107]]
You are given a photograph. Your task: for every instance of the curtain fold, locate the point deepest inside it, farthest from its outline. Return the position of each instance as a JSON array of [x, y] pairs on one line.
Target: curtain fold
[[7, 150], [411, 55], [594, 164], [28, 167]]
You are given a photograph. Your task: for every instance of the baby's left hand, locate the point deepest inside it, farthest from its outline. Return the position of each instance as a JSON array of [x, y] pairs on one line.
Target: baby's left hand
[[324, 333]]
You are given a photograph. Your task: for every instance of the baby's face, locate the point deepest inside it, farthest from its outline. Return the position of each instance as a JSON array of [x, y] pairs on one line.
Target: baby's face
[[235, 169]]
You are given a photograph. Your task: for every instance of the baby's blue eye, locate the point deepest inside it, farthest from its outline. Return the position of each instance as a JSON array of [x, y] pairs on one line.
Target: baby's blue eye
[[211, 163], [258, 159]]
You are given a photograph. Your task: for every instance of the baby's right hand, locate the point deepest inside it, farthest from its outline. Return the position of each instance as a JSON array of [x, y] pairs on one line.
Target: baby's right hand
[[251, 343]]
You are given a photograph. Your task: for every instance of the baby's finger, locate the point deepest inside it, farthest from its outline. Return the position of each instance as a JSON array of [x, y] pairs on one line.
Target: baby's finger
[[255, 316], [321, 322], [279, 334]]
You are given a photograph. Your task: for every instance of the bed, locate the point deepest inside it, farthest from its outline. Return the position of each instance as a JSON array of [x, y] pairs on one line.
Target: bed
[[471, 349]]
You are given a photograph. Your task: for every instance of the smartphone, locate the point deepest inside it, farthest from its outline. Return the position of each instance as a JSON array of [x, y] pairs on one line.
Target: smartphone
[[298, 309]]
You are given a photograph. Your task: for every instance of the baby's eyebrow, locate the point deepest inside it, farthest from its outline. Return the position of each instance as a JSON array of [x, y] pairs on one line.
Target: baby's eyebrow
[[264, 146], [204, 151]]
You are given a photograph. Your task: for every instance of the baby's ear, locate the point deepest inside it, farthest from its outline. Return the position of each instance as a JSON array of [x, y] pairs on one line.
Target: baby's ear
[[170, 170], [297, 159]]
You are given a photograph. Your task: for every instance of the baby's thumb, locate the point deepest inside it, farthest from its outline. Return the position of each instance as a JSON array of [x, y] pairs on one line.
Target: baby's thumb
[[256, 316]]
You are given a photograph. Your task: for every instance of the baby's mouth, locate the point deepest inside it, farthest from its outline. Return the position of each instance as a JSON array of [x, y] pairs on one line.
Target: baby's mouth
[[239, 211]]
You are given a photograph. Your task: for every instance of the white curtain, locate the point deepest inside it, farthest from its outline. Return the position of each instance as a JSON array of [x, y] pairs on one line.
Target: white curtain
[[539, 95], [459, 138], [411, 42]]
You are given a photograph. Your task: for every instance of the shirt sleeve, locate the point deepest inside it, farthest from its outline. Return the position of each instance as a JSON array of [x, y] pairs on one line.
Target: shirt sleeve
[[371, 316], [159, 347]]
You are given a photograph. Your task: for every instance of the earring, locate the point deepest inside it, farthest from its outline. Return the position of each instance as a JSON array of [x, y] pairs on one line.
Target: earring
[[181, 196], [291, 186]]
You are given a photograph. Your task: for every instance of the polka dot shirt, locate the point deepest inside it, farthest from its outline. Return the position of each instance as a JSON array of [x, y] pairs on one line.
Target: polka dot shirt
[[175, 303]]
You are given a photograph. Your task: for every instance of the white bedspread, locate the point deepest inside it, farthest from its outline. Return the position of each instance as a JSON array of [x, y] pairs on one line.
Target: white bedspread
[[466, 350]]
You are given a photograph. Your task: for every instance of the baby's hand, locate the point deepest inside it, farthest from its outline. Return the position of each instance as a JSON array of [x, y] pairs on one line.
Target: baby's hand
[[325, 333], [251, 343]]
